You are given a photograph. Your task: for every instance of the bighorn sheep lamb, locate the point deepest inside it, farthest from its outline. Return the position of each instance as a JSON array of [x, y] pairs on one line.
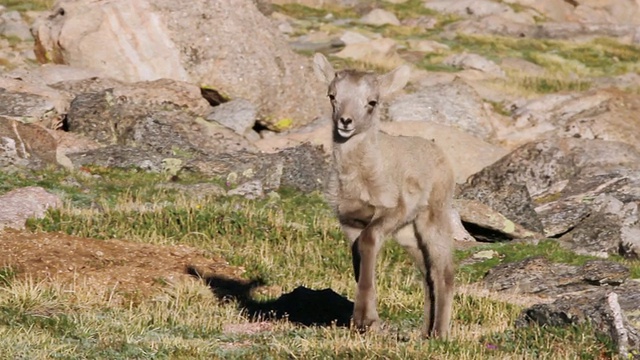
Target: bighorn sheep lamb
[[383, 185]]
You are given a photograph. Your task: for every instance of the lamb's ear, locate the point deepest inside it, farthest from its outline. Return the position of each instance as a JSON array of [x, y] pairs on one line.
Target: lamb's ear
[[323, 69], [394, 80]]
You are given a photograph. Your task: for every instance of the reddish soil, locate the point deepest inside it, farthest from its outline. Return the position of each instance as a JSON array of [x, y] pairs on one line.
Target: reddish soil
[[124, 266]]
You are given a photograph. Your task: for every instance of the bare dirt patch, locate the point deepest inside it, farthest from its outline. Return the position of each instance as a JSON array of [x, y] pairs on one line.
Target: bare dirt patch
[[116, 264]]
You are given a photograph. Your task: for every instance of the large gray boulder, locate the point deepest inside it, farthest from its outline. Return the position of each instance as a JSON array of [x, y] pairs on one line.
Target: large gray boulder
[[13, 25], [454, 104], [25, 146], [211, 44], [570, 188], [20, 204], [303, 167]]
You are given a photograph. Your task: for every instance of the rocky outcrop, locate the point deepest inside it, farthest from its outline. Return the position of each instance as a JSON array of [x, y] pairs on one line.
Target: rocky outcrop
[[162, 115], [598, 293], [562, 19], [600, 309], [563, 186], [605, 114], [539, 276], [303, 168], [31, 102], [186, 41]]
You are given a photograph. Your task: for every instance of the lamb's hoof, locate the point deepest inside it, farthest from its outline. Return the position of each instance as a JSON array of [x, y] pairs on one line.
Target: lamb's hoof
[[364, 325]]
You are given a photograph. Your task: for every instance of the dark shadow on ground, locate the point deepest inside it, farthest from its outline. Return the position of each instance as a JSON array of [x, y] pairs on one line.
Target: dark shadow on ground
[[302, 306]]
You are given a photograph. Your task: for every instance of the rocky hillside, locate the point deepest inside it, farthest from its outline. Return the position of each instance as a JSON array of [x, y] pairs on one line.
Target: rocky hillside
[[536, 103]]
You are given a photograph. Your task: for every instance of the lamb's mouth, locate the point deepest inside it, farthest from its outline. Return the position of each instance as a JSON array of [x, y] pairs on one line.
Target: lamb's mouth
[[345, 133]]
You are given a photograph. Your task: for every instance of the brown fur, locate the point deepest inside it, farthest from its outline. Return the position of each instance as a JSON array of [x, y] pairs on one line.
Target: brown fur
[[382, 186]]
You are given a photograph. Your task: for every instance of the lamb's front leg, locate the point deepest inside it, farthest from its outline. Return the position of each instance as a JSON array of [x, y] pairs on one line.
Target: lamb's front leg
[[352, 229], [367, 246], [365, 251]]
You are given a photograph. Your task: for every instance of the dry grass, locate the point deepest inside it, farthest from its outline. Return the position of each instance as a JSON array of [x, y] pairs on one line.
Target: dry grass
[[51, 319], [288, 242]]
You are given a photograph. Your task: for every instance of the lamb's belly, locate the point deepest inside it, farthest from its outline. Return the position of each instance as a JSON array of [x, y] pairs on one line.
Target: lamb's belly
[[355, 211]]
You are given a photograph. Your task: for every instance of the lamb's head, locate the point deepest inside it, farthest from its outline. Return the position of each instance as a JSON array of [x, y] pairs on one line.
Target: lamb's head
[[355, 96]]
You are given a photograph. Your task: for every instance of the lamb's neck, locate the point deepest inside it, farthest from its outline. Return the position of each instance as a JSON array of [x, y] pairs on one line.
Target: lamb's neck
[[360, 169], [361, 152], [359, 159]]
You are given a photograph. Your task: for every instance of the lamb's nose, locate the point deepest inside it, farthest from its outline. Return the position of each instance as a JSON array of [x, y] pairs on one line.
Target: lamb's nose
[[345, 121]]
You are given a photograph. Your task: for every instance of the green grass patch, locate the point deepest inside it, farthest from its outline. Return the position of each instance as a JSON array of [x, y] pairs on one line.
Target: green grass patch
[[97, 186], [512, 252], [599, 57]]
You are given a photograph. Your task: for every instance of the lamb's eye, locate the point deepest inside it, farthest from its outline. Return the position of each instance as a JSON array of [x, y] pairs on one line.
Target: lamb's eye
[[373, 103], [332, 97]]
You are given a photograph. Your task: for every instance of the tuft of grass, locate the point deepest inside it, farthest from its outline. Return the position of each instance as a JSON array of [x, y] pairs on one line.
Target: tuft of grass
[[548, 85], [500, 108], [12, 40], [603, 53], [530, 340], [515, 6], [27, 5], [7, 274], [400, 32], [300, 11], [408, 9], [433, 62], [632, 264], [364, 65]]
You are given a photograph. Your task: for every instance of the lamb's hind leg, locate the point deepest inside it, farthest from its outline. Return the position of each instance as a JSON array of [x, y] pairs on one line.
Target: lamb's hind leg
[[435, 241], [430, 244]]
